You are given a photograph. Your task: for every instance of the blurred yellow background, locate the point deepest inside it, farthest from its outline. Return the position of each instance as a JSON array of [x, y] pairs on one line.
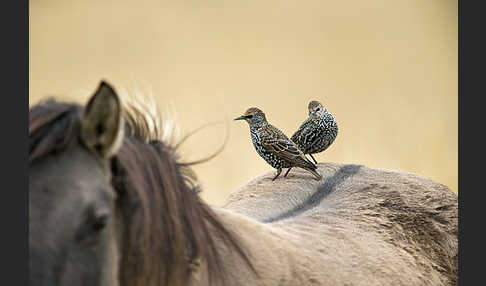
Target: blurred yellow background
[[386, 70]]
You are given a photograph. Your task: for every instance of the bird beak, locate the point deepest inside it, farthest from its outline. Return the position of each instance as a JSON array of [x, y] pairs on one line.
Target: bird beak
[[240, 118]]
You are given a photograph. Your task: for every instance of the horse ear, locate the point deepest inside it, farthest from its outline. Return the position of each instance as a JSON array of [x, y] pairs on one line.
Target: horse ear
[[102, 122]]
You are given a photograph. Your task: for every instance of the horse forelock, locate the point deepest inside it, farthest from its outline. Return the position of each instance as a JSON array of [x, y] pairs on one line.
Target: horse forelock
[[166, 224], [53, 126]]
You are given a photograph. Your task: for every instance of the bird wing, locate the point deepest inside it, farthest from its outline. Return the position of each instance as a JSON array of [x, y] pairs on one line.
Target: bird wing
[[282, 147]]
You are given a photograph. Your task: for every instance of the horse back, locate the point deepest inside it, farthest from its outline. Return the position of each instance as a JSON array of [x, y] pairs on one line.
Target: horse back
[[412, 219]]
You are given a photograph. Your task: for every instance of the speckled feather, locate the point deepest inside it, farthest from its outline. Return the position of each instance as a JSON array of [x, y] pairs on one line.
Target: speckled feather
[[317, 133], [278, 150]]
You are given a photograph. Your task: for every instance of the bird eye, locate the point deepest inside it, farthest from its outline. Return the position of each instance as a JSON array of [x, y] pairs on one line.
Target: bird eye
[[318, 109], [249, 116]]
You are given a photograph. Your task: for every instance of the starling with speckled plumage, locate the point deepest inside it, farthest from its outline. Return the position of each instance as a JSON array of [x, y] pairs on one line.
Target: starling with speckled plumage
[[318, 132], [273, 146]]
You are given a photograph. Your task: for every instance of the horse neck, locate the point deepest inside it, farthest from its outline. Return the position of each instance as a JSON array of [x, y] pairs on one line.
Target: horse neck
[[271, 254]]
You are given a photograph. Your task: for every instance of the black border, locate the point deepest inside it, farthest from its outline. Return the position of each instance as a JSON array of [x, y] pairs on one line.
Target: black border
[[470, 142], [14, 23]]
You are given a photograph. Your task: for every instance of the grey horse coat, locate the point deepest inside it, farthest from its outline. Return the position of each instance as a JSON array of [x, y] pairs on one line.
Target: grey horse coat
[[357, 226]]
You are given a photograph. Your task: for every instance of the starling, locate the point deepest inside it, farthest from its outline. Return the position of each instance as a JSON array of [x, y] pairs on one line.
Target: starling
[[318, 132], [273, 146]]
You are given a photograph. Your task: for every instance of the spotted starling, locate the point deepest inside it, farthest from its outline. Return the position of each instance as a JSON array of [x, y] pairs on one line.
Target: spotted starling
[[273, 146], [318, 132]]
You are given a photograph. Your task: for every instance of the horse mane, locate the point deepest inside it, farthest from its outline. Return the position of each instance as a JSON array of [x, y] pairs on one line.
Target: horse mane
[[167, 228]]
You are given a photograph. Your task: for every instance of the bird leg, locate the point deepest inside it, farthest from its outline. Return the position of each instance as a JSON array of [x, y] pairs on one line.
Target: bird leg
[[278, 173], [287, 172], [313, 158]]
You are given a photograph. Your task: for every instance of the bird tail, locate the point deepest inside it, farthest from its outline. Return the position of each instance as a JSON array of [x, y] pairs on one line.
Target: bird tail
[[314, 172], [311, 167]]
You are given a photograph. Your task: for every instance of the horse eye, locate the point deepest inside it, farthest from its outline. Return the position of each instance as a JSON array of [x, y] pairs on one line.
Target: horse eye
[[91, 228], [99, 223]]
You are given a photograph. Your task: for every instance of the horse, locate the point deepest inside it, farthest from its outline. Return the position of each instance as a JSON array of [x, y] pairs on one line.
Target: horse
[[110, 203]]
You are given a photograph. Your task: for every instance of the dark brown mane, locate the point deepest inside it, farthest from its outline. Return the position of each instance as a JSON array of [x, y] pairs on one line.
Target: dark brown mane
[[166, 225]]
